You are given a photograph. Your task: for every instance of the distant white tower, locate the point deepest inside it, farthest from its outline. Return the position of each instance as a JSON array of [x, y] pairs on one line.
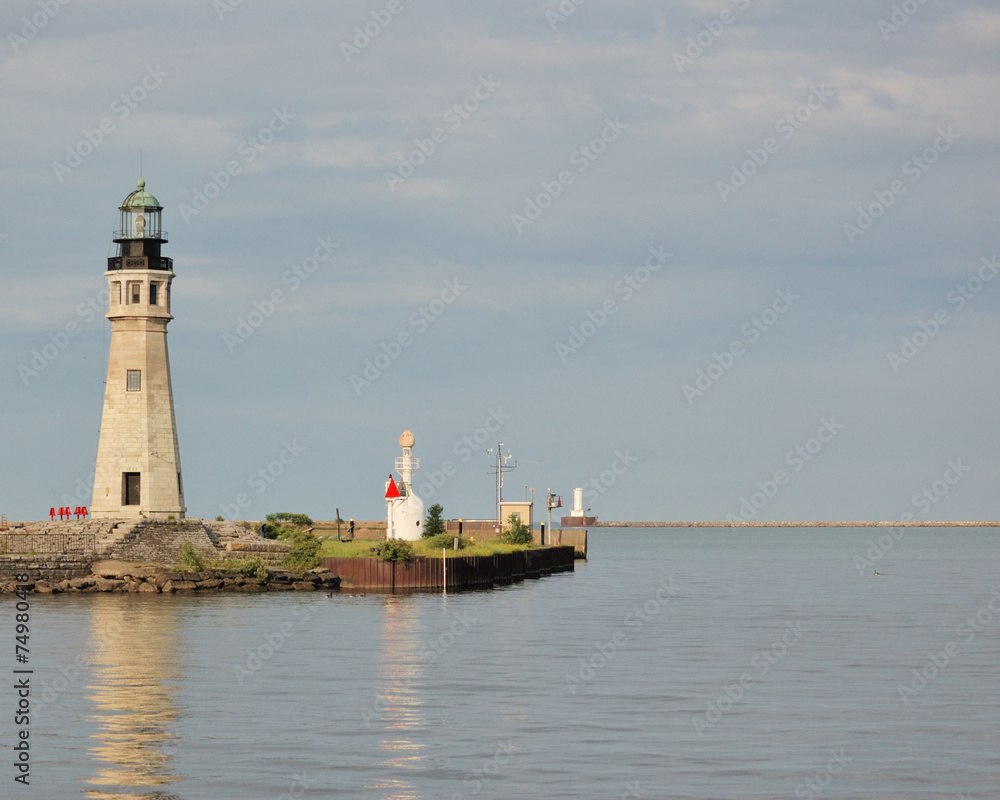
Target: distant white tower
[[405, 509], [138, 470]]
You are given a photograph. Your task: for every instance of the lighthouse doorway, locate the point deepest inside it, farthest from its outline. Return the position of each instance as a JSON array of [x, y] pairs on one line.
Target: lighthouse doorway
[[130, 487]]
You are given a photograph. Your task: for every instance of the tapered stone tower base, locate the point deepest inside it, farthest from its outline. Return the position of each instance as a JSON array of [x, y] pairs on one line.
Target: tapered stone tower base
[[138, 470]]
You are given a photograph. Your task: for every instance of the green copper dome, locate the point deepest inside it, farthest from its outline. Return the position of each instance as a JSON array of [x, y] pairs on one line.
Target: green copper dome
[[140, 198]]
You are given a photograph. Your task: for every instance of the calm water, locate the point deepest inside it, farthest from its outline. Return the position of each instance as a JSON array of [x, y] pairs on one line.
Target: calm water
[[704, 664]]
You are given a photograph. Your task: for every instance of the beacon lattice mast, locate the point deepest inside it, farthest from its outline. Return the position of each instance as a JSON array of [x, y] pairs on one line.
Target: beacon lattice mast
[[407, 463], [138, 473]]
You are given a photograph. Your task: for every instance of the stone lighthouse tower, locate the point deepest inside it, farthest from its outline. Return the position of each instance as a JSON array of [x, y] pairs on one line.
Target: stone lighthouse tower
[[138, 463]]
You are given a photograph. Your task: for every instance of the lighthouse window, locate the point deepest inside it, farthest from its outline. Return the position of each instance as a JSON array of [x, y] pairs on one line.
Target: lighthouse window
[[133, 291], [133, 380], [116, 293], [154, 290]]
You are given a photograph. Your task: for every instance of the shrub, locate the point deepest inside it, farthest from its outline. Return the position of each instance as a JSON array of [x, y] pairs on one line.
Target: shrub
[[302, 520], [516, 531], [191, 558], [269, 530], [251, 567], [304, 552], [219, 518], [445, 540], [433, 525], [397, 550]]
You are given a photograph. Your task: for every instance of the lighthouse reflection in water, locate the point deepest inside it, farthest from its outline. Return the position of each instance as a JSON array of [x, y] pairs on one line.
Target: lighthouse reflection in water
[[398, 703], [134, 655]]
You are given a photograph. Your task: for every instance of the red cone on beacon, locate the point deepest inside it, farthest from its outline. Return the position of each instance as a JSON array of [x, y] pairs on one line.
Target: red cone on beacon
[[391, 491]]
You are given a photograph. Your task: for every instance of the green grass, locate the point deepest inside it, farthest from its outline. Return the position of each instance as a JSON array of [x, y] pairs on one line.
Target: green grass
[[362, 549]]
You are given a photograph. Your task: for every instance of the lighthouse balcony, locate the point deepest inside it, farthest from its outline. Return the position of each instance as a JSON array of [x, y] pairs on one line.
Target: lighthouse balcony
[[150, 232], [140, 262]]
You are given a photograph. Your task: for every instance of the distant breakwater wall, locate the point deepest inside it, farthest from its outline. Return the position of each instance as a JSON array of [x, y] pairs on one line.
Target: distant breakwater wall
[[812, 524], [464, 572]]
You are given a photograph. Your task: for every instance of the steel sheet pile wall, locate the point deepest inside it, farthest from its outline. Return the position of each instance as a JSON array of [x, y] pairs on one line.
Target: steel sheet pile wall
[[464, 572]]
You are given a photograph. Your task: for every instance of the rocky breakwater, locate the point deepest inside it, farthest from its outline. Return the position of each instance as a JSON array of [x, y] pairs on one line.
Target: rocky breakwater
[[121, 577]]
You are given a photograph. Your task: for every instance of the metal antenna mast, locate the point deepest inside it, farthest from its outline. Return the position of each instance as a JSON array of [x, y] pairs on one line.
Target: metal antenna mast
[[503, 465]]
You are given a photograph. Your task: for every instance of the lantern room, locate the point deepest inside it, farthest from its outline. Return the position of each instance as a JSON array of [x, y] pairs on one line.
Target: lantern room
[[140, 233]]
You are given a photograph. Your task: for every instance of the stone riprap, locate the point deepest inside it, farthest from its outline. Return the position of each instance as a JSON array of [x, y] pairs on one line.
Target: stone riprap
[[121, 577], [53, 552]]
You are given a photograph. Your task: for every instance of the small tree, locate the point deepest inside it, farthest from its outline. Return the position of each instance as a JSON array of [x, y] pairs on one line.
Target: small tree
[[284, 525], [516, 532], [304, 551], [190, 558], [433, 525], [397, 550], [302, 520]]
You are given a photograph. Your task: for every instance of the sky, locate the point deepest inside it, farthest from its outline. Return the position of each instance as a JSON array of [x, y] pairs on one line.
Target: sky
[[706, 259]]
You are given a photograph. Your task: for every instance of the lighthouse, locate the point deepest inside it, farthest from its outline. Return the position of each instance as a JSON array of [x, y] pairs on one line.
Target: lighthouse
[[138, 472], [405, 513]]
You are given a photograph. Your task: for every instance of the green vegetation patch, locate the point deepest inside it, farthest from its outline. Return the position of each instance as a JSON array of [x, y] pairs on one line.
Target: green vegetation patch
[[304, 552], [516, 531]]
